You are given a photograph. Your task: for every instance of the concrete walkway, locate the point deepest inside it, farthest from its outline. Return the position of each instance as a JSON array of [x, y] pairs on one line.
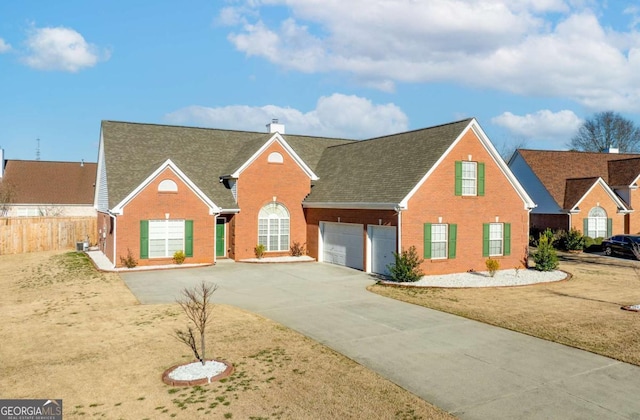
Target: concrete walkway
[[470, 369]]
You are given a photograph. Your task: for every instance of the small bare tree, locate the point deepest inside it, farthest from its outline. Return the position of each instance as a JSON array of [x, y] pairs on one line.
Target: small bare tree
[[197, 305], [7, 196]]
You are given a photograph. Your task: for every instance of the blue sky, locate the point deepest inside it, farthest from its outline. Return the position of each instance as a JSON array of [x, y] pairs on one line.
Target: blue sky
[[530, 71]]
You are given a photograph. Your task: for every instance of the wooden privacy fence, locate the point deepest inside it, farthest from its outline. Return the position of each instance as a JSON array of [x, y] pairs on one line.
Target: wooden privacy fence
[[20, 235]]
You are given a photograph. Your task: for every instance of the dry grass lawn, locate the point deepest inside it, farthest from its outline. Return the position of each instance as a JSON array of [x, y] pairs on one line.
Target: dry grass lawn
[[582, 312], [70, 332]]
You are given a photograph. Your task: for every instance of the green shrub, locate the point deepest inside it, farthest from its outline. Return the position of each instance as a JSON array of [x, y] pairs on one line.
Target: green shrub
[[588, 242], [599, 240], [406, 267], [298, 250], [129, 261], [179, 257], [574, 241], [259, 250], [545, 257], [492, 266]]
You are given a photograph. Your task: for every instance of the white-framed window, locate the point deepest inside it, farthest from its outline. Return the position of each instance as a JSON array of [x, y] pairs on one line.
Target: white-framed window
[[496, 239], [28, 212], [168, 185], [275, 157], [597, 223], [439, 241], [165, 238], [273, 227], [469, 178]]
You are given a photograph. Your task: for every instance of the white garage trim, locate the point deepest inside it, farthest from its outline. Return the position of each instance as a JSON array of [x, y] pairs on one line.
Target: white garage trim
[[381, 244], [341, 244]]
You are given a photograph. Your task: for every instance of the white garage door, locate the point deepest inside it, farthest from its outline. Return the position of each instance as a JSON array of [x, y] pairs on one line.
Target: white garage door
[[383, 245], [342, 244]]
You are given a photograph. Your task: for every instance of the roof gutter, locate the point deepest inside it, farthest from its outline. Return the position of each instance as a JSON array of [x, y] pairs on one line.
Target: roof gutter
[[352, 205]]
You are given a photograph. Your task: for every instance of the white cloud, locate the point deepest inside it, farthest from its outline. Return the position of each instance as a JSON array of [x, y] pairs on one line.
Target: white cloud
[[541, 125], [554, 48], [61, 49], [4, 46], [334, 116]]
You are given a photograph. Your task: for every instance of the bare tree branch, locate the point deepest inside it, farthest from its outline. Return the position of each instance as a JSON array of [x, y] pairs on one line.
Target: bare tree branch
[[7, 196], [197, 305], [187, 338], [604, 130]]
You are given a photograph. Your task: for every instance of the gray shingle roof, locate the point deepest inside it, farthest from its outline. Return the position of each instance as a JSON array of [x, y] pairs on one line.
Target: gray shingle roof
[[133, 151], [381, 170]]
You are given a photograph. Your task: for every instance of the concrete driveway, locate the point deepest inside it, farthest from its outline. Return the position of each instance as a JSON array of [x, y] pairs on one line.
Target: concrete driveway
[[470, 369]]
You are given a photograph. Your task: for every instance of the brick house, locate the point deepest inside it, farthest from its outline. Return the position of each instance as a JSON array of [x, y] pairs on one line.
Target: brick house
[[590, 192], [34, 188], [218, 193]]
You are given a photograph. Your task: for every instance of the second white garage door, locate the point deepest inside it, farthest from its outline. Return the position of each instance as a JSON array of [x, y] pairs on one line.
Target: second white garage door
[[342, 244], [383, 245]]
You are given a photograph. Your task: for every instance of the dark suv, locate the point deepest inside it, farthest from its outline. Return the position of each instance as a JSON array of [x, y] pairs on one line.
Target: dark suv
[[621, 244]]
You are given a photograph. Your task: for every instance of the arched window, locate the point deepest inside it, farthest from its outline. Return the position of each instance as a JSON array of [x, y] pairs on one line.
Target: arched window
[[275, 157], [273, 227], [597, 223], [168, 186]]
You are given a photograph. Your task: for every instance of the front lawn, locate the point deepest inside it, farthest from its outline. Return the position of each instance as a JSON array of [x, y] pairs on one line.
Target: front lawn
[[71, 332], [583, 312]]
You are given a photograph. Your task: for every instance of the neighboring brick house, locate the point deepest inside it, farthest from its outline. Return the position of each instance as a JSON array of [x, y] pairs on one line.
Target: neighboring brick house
[[591, 192], [219, 193], [33, 188]]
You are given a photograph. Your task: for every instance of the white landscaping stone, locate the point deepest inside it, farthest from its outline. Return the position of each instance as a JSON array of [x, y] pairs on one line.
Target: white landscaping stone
[[196, 370], [483, 279]]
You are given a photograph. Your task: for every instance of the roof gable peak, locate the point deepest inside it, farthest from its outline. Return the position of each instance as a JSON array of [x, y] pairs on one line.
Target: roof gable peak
[[275, 138]]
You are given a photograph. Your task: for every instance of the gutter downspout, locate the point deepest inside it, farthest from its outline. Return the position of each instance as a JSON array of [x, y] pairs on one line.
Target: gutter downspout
[[399, 250]]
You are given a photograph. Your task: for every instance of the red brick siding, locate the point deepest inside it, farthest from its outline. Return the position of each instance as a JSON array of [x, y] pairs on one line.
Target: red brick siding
[[257, 186], [633, 219], [436, 198], [150, 204], [365, 217], [599, 196]]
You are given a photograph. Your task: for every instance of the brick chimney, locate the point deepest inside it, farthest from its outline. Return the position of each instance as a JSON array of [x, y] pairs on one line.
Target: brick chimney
[[275, 127]]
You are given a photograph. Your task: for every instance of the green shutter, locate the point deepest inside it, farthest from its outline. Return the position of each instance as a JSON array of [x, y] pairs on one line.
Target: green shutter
[[188, 238], [453, 236], [427, 240], [585, 226], [507, 239], [480, 178], [609, 227], [485, 239], [458, 189], [144, 239]]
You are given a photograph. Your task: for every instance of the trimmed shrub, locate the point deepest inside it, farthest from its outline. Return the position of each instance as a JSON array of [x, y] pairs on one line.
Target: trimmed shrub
[[407, 266], [492, 266], [545, 257], [588, 242], [179, 257], [259, 250]]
